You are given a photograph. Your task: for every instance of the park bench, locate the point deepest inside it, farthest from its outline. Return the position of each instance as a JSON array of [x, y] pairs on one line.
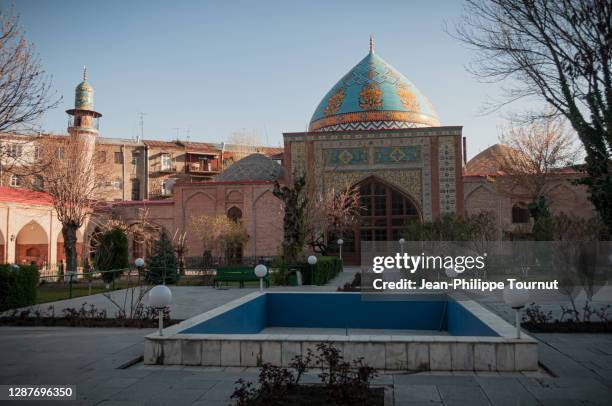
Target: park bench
[[239, 274]]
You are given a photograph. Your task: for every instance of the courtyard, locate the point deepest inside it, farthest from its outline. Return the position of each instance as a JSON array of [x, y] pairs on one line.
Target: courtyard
[[106, 366]]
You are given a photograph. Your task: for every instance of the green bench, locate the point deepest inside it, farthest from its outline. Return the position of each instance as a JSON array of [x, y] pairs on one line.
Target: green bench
[[239, 274]]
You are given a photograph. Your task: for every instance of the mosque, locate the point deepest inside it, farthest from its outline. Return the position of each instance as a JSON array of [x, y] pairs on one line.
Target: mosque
[[374, 130]]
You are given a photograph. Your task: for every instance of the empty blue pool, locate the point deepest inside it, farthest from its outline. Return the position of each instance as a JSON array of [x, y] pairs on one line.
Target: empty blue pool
[[344, 310]]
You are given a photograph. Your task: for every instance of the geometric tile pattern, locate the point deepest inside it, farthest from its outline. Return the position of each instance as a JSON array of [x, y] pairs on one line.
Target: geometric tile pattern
[[345, 156], [397, 154], [447, 175]]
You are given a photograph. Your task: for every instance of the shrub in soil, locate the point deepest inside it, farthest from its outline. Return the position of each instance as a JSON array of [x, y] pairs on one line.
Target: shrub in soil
[[573, 320], [342, 383], [86, 316]]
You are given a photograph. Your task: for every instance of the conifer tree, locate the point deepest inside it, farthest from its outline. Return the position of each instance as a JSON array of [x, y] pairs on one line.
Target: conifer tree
[[162, 265]]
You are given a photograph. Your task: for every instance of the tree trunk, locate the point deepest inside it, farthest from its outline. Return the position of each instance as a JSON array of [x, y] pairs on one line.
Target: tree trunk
[[69, 231]]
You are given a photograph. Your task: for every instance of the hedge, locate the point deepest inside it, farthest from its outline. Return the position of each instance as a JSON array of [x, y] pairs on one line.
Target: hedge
[[324, 270], [18, 287]]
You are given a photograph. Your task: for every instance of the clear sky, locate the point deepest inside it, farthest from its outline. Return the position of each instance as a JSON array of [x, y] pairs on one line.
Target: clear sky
[[211, 68]]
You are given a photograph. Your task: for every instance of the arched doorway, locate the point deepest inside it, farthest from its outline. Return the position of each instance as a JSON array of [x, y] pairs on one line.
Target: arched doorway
[[385, 216], [32, 245], [233, 251]]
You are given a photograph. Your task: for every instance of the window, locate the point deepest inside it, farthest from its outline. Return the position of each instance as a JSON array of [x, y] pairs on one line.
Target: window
[[118, 158], [116, 183], [135, 157], [520, 214], [16, 181], [60, 153], [135, 189], [37, 152], [101, 156], [39, 183], [167, 186], [166, 162], [15, 150]]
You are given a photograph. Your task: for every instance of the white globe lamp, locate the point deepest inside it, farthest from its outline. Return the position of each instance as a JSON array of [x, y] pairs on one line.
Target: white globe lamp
[[160, 297], [261, 271], [401, 243], [516, 299], [450, 272], [312, 260], [340, 244], [139, 262]]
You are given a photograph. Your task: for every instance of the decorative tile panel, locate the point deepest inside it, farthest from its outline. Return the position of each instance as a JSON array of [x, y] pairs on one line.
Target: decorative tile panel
[[397, 154], [447, 175], [298, 158], [345, 156]]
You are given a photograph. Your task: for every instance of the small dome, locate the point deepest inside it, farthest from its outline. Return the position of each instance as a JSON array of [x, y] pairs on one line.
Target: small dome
[[251, 168], [373, 96], [486, 162], [83, 96]]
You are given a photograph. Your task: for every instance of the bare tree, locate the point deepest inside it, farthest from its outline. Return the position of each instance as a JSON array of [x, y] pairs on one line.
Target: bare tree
[[74, 182], [532, 158], [25, 90], [331, 211], [558, 51]]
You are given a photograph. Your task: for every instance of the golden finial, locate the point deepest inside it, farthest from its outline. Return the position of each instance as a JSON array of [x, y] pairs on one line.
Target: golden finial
[[371, 44], [84, 73]]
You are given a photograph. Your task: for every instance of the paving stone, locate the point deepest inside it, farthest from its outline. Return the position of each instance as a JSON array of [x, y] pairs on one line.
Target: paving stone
[[416, 393], [440, 356], [453, 394]]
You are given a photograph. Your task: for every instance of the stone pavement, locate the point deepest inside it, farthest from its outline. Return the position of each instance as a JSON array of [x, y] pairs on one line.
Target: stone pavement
[[580, 366]]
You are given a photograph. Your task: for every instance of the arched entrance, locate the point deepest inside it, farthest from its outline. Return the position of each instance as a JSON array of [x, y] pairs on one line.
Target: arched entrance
[[233, 252], [32, 245], [386, 214]]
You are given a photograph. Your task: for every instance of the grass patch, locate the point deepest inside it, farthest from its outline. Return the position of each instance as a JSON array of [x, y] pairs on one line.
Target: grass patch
[[51, 292]]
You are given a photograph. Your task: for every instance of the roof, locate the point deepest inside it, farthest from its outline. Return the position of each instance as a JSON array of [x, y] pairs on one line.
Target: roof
[[24, 196], [200, 147], [486, 162], [373, 95], [255, 167]]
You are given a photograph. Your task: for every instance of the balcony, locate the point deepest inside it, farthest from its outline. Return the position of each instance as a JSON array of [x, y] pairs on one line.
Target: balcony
[[201, 168], [166, 169]]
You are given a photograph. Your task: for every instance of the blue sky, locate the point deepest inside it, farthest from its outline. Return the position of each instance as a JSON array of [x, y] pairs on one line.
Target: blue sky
[[211, 68]]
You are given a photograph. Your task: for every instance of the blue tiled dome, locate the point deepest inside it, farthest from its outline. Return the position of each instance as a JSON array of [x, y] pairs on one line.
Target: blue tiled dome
[[83, 96], [373, 96]]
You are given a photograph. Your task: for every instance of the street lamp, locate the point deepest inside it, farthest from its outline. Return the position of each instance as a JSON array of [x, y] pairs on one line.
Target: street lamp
[[139, 262], [402, 242], [340, 243], [160, 297], [450, 272], [261, 271], [517, 299], [14, 267], [312, 260]]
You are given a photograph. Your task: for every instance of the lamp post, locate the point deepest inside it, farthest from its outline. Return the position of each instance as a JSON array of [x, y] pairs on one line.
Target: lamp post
[[160, 297], [139, 262], [261, 271], [402, 242], [517, 299], [312, 260], [340, 243]]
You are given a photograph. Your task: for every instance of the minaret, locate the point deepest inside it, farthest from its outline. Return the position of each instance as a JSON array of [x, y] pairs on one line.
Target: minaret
[[83, 123]]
